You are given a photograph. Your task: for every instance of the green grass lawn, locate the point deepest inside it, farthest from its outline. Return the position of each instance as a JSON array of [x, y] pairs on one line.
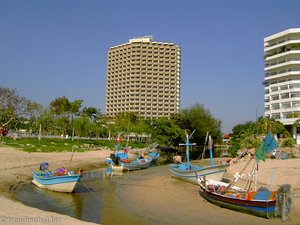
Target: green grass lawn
[[62, 145]]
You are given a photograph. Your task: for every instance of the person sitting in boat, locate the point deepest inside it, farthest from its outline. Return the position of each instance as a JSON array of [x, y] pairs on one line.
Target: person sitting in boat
[[80, 171], [142, 156], [61, 171]]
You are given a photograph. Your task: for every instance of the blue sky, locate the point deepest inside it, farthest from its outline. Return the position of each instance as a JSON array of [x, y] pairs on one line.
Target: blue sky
[[55, 48]]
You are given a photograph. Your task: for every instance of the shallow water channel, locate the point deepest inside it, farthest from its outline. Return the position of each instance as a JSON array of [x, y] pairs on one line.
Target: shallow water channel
[[86, 203]]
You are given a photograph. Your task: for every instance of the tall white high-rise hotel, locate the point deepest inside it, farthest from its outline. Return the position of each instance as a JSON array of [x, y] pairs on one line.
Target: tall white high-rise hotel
[[143, 76], [282, 77]]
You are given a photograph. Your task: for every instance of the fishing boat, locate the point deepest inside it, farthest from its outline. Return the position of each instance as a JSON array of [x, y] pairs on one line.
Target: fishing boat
[[261, 202], [152, 152], [123, 156], [187, 172], [153, 155], [51, 181], [136, 164]]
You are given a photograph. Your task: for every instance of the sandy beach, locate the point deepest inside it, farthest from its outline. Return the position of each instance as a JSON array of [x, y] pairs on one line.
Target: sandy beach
[[146, 197]]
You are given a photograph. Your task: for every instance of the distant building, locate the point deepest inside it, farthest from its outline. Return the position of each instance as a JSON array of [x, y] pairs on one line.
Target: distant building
[[143, 76], [282, 77]]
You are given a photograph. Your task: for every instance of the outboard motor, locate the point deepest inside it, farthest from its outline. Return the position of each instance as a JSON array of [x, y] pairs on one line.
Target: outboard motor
[[113, 157], [44, 166], [284, 201], [117, 160]]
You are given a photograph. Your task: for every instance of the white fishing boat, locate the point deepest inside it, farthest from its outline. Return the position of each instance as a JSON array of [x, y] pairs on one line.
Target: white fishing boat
[[187, 172]]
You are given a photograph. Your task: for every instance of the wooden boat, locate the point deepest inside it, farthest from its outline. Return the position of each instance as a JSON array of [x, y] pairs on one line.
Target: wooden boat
[[133, 165], [48, 180], [261, 203], [187, 172]]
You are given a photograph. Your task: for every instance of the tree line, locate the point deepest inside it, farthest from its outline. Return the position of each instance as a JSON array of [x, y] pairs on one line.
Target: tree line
[[65, 117]]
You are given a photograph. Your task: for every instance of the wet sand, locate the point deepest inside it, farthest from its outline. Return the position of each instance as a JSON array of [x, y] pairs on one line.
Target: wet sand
[[145, 197], [165, 200]]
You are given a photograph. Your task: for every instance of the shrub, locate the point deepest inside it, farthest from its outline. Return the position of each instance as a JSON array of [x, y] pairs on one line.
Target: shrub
[[289, 142]]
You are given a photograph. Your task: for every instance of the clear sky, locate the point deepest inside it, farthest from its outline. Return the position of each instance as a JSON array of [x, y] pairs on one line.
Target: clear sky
[[55, 48]]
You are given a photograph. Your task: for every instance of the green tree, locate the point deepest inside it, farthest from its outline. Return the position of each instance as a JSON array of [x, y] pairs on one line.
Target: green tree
[[263, 125], [248, 135], [42, 117], [201, 120], [109, 123], [65, 112], [91, 112], [140, 128], [82, 126], [125, 122], [166, 133], [13, 107], [60, 106]]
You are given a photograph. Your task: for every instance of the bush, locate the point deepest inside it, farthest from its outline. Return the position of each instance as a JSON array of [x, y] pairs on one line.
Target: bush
[[289, 142]]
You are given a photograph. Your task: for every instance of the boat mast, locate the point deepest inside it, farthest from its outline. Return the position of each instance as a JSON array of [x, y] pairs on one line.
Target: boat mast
[[188, 144], [210, 152]]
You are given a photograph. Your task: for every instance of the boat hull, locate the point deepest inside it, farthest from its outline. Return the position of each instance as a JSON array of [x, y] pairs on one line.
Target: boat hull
[[134, 165], [180, 171], [154, 156], [263, 208], [65, 183]]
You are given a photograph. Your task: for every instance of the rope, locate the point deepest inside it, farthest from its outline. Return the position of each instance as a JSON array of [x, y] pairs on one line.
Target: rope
[[88, 189], [249, 180], [235, 180]]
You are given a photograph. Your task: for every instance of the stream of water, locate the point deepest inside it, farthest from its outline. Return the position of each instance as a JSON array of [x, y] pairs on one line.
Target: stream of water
[[86, 203]]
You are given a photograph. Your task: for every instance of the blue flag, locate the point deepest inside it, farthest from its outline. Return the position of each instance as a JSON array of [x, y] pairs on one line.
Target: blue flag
[[270, 143], [266, 146]]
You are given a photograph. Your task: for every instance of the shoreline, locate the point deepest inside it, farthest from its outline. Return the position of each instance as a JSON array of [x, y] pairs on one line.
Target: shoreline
[[17, 167], [145, 197]]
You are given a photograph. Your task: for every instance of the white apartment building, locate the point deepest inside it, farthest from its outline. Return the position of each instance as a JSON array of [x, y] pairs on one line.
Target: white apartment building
[[282, 77], [143, 76]]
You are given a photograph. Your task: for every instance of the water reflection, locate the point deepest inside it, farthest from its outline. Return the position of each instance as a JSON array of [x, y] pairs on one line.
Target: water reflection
[[85, 204]]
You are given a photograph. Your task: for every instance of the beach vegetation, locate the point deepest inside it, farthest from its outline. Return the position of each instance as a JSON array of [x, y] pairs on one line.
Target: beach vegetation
[[64, 145], [250, 134], [289, 142]]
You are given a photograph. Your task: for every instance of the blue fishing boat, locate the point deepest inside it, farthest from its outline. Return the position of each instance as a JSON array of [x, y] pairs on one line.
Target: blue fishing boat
[[52, 181], [152, 152], [136, 164], [153, 155], [187, 172], [121, 155]]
